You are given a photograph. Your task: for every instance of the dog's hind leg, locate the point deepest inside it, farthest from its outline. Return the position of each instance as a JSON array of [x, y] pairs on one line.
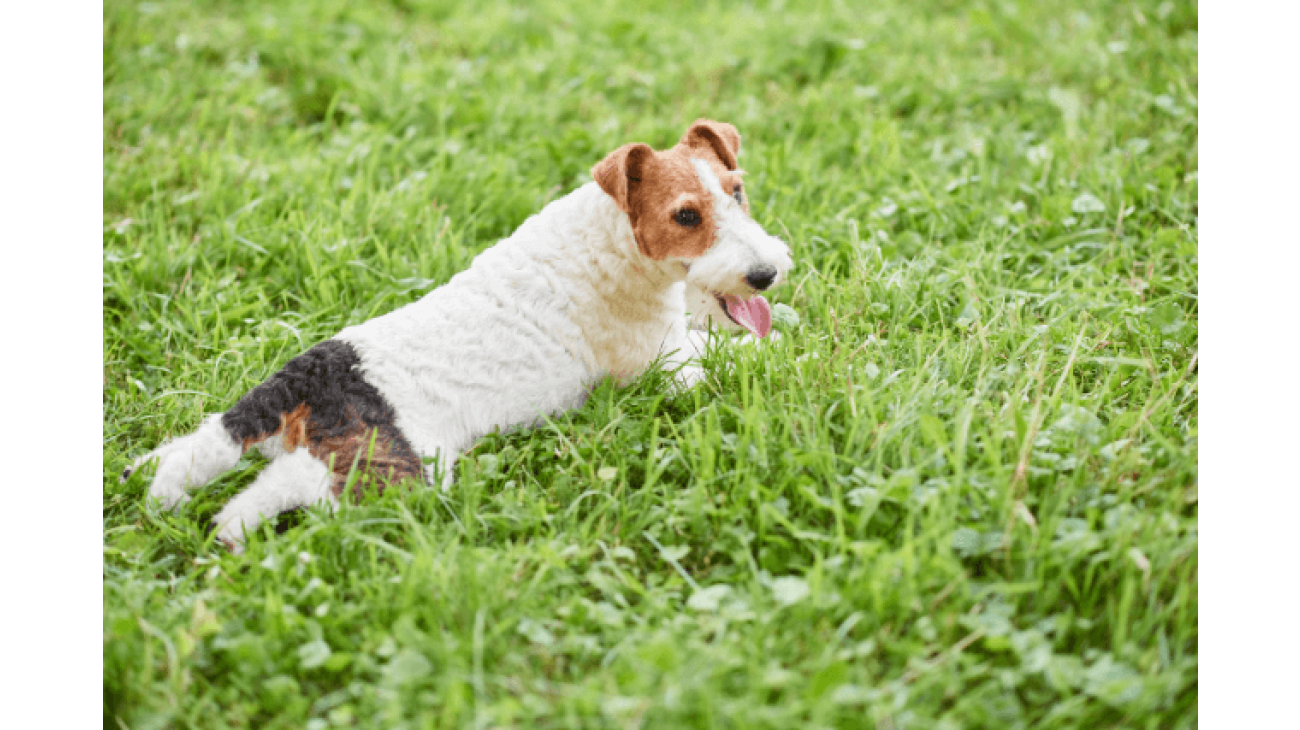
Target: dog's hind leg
[[317, 387], [292, 480], [190, 462]]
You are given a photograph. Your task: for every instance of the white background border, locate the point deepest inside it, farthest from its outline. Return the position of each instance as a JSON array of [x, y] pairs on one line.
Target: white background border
[[51, 273]]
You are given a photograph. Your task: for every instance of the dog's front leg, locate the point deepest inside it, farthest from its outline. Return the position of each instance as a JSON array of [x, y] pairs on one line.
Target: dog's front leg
[[683, 358], [749, 339], [440, 470], [701, 341], [688, 376]]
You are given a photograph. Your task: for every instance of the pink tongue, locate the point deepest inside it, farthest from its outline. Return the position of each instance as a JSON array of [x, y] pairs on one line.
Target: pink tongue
[[754, 314]]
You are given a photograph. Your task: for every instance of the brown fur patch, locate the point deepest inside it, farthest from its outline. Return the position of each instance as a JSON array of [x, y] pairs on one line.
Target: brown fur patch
[[720, 138], [718, 144], [653, 187], [293, 427], [621, 170], [379, 451]]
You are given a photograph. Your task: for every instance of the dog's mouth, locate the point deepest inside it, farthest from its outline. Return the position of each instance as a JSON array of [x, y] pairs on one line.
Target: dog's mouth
[[753, 314]]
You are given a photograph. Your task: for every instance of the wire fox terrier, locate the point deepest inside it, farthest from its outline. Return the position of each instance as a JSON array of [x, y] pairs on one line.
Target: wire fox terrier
[[596, 285]]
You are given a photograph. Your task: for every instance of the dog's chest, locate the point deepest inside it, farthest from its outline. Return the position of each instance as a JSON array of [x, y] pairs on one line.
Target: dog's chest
[[631, 334]]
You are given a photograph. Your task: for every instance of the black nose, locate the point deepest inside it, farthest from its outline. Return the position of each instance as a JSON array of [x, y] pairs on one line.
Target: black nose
[[761, 277]]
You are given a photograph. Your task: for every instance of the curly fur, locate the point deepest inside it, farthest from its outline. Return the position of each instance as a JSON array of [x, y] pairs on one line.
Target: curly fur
[[593, 286]]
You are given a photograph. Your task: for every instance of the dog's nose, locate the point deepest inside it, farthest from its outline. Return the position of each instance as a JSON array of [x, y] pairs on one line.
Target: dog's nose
[[761, 277]]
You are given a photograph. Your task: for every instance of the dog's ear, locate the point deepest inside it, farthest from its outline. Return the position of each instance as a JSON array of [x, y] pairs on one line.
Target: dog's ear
[[720, 137], [619, 173]]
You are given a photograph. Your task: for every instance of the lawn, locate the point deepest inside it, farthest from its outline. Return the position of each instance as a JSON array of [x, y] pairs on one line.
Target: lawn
[[960, 492]]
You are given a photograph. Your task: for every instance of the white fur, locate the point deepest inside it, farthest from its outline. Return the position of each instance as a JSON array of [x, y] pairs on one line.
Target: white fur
[[296, 479], [527, 331], [741, 245], [563, 303], [190, 462], [704, 312]]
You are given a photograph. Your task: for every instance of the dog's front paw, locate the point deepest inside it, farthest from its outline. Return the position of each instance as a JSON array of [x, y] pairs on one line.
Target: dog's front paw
[[688, 376], [750, 339], [440, 472]]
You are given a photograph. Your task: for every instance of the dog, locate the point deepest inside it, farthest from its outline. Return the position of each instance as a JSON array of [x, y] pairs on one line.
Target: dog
[[594, 286]]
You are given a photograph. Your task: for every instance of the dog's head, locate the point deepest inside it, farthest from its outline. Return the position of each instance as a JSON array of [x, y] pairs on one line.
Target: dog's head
[[687, 206]]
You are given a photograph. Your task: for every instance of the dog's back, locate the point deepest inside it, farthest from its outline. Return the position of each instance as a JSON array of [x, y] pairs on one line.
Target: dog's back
[[516, 336]]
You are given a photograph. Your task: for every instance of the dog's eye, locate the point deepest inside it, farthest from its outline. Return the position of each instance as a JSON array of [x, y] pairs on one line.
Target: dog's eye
[[688, 217], [738, 193]]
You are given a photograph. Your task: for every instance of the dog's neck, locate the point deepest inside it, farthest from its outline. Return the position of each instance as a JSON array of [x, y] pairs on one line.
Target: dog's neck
[[624, 303], [608, 245]]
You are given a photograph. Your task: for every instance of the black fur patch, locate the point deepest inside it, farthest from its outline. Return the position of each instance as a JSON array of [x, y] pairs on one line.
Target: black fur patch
[[324, 378], [346, 418]]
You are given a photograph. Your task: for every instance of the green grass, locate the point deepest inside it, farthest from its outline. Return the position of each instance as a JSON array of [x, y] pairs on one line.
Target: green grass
[[961, 493]]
